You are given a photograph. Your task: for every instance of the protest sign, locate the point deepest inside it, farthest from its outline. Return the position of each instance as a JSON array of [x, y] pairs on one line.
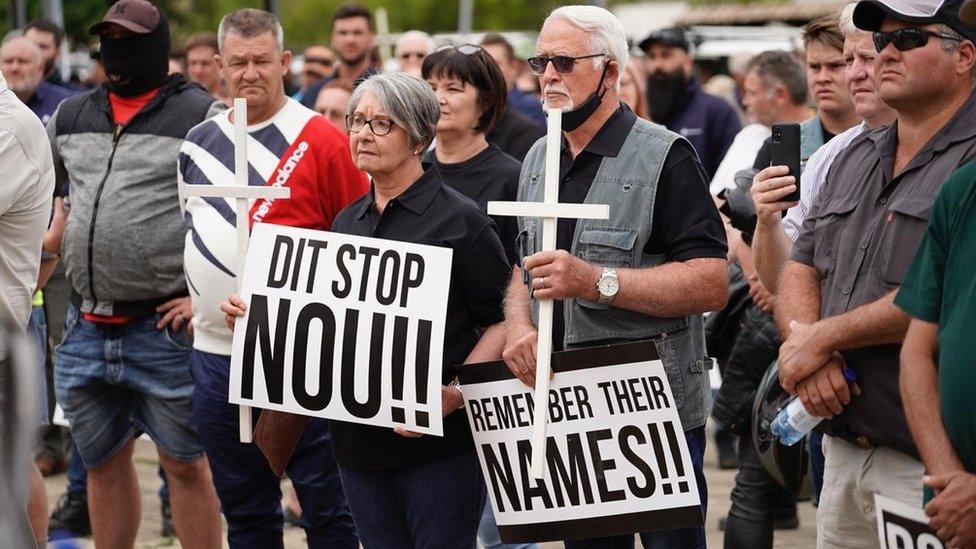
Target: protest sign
[[342, 327], [902, 526], [617, 460]]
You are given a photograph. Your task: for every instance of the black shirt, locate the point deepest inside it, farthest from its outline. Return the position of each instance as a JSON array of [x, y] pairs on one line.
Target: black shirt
[[487, 176], [686, 223], [515, 134], [430, 212]]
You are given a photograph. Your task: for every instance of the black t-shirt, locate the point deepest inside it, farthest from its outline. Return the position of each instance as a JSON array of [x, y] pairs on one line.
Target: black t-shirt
[[430, 212], [686, 223], [489, 175], [515, 134]]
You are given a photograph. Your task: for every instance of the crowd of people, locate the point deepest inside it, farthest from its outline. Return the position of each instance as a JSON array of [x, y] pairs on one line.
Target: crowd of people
[[853, 298]]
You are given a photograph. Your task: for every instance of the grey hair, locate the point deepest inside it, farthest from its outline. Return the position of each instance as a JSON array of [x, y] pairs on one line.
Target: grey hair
[[409, 101], [416, 34], [38, 55], [607, 35], [950, 44], [248, 23], [847, 27]]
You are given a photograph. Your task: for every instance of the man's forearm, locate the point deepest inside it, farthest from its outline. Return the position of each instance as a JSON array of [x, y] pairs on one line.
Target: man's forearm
[[490, 345], [799, 296], [876, 323], [674, 289], [46, 270], [920, 394], [770, 251], [518, 304]]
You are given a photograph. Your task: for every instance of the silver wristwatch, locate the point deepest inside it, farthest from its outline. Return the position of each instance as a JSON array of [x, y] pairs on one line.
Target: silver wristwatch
[[608, 285]]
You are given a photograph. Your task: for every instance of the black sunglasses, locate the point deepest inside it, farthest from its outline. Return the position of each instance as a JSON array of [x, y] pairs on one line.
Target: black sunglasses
[[907, 39], [562, 63]]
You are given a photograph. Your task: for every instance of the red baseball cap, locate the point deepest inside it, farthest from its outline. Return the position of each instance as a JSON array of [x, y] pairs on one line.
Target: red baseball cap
[[138, 16]]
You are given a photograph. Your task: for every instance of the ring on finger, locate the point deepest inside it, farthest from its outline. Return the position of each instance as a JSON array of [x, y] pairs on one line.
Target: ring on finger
[[542, 282]]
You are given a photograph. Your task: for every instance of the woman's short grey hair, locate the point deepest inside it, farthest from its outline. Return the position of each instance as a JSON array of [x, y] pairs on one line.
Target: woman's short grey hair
[[249, 23], [846, 22], [408, 100], [606, 33]]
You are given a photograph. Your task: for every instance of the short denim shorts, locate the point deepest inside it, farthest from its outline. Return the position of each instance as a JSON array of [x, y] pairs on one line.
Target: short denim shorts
[[115, 381]]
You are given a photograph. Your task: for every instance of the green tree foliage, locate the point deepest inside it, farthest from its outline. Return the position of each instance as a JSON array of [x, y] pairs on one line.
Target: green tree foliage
[[308, 21]]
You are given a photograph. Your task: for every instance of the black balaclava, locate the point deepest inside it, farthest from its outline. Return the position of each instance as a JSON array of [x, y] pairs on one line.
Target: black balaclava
[[665, 94], [139, 61], [576, 117]]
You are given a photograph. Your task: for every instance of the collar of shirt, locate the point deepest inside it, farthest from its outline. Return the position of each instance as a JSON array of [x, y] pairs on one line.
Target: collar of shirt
[[3, 83], [610, 138], [961, 127], [416, 198]]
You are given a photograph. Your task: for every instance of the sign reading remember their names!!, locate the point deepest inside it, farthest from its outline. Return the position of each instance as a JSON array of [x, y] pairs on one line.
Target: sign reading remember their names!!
[[342, 327], [902, 526], [617, 461]]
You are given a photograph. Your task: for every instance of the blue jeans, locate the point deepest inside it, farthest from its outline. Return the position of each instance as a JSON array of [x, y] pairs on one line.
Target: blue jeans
[[816, 465], [489, 536], [429, 506], [682, 538], [249, 492], [37, 334], [114, 381]]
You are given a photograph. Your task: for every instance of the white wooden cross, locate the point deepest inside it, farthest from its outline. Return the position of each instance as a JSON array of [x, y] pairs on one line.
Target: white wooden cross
[[550, 210], [243, 194]]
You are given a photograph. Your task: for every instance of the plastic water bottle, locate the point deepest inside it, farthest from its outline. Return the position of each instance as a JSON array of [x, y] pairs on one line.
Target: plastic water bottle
[[793, 422]]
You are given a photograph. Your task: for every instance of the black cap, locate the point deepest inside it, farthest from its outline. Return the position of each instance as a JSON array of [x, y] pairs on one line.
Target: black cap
[[138, 16], [869, 14], [675, 36]]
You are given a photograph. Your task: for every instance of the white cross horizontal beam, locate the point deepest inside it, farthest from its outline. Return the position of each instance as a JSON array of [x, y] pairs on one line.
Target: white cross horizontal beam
[[235, 191]]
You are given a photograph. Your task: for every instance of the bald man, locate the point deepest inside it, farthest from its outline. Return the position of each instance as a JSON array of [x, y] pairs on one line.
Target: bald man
[[22, 64], [411, 49]]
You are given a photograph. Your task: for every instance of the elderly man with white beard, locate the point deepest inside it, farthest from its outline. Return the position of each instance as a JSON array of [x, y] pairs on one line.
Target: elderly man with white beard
[[647, 273]]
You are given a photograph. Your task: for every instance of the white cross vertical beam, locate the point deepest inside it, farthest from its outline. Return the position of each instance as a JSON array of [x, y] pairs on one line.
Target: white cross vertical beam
[[242, 194], [550, 211]]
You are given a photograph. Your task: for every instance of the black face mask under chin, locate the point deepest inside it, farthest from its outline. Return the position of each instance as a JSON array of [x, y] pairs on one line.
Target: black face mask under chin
[[576, 117]]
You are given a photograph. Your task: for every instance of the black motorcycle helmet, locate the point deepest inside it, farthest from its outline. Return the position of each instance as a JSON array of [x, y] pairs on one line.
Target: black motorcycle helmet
[[788, 465]]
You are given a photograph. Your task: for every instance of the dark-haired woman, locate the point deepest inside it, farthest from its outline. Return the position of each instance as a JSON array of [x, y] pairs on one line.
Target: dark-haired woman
[[471, 92]]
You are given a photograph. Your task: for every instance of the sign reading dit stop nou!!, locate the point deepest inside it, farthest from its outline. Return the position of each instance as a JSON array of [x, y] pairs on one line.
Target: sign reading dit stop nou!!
[[342, 327]]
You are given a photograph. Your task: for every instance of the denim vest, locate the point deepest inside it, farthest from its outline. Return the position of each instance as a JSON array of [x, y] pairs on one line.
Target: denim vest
[[628, 183], [811, 139]]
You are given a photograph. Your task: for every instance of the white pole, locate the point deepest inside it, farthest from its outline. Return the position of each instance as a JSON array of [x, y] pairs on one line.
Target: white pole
[[243, 208], [544, 346]]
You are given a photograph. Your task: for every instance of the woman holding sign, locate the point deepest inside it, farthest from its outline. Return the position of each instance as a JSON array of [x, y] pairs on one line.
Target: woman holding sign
[[471, 93], [406, 490]]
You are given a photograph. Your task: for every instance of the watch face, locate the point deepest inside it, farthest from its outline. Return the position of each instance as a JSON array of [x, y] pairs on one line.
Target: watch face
[[608, 286]]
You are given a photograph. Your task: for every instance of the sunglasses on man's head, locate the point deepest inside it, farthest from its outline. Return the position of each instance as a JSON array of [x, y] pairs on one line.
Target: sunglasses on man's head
[[562, 63], [466, 49], [907, 39]]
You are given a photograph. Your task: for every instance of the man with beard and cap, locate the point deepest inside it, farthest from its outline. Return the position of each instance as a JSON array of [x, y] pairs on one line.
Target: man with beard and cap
[[836, 304], [123, 365], [677, 101], [352, 41], [647, 273]]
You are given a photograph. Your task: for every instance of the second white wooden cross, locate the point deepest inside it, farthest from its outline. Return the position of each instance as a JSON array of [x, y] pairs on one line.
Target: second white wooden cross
[[550, 211], [243, 194]]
